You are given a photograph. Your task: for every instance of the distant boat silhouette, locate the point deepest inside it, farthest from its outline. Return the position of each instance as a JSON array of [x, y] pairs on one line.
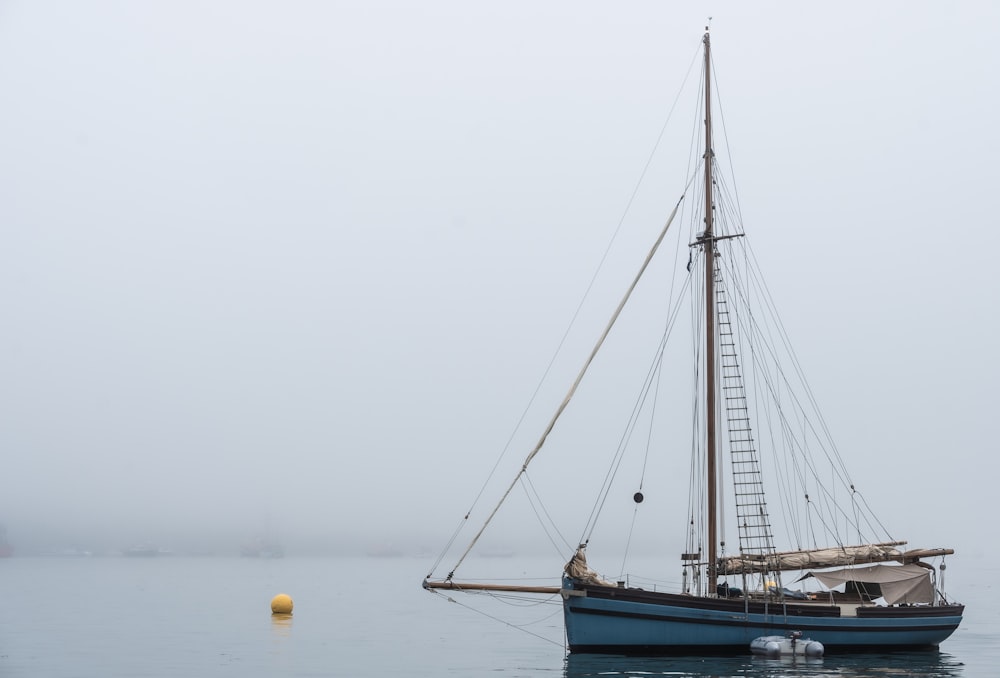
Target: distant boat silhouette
[[262, 548], [144, 550]]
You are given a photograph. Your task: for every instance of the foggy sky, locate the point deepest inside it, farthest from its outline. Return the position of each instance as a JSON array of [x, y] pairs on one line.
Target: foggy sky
[[297, 267]]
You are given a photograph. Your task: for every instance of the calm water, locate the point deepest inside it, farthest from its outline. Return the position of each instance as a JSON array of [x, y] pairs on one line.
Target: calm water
[[175, 616]]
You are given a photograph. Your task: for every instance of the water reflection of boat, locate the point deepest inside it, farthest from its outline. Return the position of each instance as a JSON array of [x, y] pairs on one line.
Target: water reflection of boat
[[929, 663]]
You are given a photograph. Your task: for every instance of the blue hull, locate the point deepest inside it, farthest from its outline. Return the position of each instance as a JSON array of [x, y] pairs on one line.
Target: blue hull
[[633, 621]]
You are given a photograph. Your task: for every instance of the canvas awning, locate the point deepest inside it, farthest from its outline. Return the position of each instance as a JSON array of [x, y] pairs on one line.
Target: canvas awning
[[899, 583]]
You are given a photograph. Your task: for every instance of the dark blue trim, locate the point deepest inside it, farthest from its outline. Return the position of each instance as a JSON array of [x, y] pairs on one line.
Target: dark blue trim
[[791, 623]]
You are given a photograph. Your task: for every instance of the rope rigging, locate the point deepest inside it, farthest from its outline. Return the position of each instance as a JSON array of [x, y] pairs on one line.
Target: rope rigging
[[772, 418]]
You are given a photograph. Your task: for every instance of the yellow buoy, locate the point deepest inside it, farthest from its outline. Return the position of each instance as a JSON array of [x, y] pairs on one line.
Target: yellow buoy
[[281, 604]]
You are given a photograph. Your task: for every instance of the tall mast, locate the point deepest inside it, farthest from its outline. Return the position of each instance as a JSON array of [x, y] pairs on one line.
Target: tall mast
[[709, 245]]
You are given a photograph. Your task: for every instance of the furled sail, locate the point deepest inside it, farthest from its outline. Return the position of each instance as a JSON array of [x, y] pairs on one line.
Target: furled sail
[[578, 569], [839, 556]]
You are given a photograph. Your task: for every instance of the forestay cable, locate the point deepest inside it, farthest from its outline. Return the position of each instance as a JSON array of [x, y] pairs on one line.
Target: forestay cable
[[572, 390]]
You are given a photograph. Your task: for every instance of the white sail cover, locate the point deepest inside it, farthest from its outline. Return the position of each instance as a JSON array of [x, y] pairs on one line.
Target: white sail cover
[[899, 583], [803, 560], [577, 568]]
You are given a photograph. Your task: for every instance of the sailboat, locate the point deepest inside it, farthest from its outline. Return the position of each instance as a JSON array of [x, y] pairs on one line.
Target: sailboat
[[843, 581]]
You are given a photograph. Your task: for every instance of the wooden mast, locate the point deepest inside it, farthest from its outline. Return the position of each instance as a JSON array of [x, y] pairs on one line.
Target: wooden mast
[[710, 406]]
